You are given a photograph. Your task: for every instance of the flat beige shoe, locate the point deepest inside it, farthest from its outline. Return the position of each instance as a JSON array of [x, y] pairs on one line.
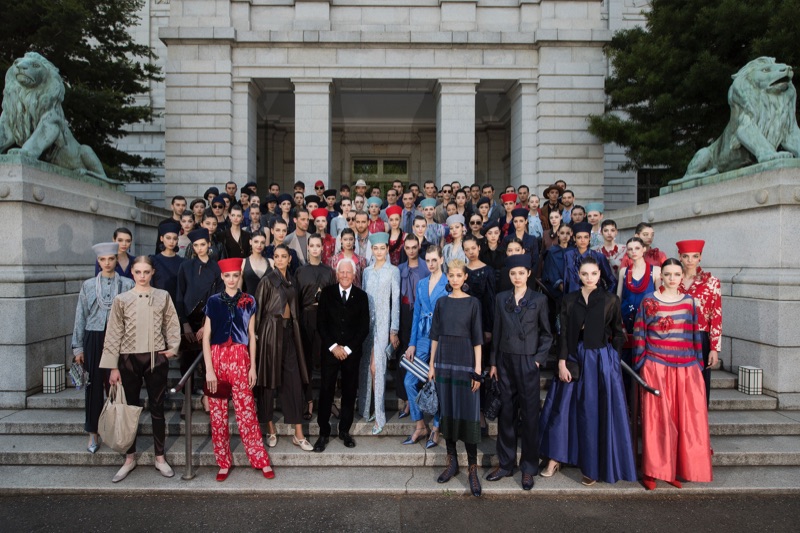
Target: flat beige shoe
[[123, 472], [165, 469], [304, 444]]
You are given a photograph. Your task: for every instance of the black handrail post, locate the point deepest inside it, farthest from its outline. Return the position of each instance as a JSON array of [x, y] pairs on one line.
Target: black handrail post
[[187, 408]]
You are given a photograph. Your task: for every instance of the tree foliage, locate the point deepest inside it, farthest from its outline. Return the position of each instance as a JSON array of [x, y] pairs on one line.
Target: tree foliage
[[667, 96], [103, 69]]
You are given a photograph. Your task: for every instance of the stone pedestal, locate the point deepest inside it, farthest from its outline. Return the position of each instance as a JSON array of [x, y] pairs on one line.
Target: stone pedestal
[[748, 219], [51, 217]]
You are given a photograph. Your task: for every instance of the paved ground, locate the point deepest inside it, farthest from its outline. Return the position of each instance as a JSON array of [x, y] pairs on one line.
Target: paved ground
[[651, 513]]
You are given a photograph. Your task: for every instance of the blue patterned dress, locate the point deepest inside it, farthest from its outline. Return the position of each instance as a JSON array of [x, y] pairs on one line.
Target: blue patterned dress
[[382, 286]]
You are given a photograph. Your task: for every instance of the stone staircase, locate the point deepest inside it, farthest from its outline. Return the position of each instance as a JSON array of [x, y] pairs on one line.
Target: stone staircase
[[46, 442]]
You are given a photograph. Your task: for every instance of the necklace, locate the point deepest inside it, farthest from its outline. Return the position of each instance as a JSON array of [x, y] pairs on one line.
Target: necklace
[[102, 301]]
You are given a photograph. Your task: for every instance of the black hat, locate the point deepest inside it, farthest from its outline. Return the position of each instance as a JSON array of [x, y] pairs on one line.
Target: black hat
[[169, 226], [312, 198], [199, 233], [522, 260], [582, 227], [329, 192], [483, 200], [197, 201], [285, 197], [271, 198], [218, 200], [211, 190], [223, 196], [489, 225], [519, 212]]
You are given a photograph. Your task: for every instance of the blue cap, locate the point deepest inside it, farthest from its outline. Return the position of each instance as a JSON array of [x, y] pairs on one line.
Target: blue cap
[[519, 212], [372, 200], [379, 238], [428, 202], [455, 219], [595, 206], [582, 227]]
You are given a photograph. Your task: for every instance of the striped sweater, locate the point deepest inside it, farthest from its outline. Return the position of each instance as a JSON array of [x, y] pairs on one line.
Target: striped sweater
[[667, 333]]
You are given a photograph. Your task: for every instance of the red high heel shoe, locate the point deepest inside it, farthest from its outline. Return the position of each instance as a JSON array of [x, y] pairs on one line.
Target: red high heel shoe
[[649, 482], [675, 483], [222, 476]]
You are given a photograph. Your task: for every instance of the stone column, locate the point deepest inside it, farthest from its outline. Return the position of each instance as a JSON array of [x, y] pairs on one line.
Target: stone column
[[245, 132], [455, 131], [524, 151], [312, 129]]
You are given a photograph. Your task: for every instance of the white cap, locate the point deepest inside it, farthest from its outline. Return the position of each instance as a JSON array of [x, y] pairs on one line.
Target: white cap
[[106, 248]]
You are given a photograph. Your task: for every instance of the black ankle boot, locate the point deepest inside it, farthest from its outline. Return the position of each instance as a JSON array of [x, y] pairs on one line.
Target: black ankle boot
[[474, 481], [450, 470]]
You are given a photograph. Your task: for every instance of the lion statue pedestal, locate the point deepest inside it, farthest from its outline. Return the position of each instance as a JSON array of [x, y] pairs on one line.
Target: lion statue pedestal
[[34, 122]]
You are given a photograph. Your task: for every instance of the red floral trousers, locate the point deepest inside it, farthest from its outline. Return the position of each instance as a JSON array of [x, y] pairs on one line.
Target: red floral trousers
[[231, 363]]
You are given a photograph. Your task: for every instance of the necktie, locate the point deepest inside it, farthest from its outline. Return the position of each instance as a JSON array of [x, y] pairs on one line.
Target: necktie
[[407, 222], [344, 297]]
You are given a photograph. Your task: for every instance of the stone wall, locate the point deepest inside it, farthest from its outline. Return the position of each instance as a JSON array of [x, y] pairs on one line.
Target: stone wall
[[752, 247], [52, 217]]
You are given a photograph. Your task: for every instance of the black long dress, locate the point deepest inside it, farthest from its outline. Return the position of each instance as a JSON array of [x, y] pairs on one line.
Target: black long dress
[[457, 328]]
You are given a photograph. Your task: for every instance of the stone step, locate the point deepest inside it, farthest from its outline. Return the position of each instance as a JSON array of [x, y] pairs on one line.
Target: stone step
[[70, 422], [733, 400], [383, 451], [324, 480]]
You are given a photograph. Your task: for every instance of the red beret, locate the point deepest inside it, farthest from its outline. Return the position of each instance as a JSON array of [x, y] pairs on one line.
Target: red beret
[[394, 210], [234, 264], [319, 183], [319, 212], [690, 247], [508, 197]]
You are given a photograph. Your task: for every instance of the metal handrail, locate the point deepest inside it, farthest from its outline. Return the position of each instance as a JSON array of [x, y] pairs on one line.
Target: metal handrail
[[186, 383]]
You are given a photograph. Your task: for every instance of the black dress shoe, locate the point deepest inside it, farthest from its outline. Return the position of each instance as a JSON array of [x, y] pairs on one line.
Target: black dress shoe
[[527, 481], [347, 439], [474, 480], [498, 473], [321, 443]]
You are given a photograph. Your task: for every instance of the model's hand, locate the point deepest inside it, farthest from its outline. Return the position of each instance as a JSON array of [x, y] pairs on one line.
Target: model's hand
[[713, 358], [563, 373], [211, 381], [476, 385], [199, 336], [168, 354], [78, 359], [251, 377], [114, 377], [395, 340], [431, 374], [410, 352], [487, 337], [340, 353], [493, 372]]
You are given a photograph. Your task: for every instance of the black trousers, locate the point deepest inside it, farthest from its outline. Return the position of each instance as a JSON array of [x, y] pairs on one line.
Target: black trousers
[[133, 367], [519, 391], [705, 341], [98, 378], [291, 388], [331, 367], [311, 346], [472, 450], [406, 319]]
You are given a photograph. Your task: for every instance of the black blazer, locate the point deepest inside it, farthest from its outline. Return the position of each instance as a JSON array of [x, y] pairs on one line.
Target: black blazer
[[337, 323], [601, 320], [526, 332]]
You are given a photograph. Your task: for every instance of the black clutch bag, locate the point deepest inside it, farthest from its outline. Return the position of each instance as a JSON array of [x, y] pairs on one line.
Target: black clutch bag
[[574, 369], [493, 402]]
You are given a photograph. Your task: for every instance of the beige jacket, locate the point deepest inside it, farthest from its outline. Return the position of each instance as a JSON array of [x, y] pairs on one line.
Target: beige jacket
[[140, 323]]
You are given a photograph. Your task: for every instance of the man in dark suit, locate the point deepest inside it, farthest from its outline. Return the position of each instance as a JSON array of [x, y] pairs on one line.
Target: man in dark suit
[[343, 327], [520, 342]]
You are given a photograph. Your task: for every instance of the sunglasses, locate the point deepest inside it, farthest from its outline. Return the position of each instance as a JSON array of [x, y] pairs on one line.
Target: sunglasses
[[350, 219], [475, 223], [216, 206], [320, 188]]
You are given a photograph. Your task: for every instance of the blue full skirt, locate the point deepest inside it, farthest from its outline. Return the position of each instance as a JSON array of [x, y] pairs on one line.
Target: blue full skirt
[[585, 423]]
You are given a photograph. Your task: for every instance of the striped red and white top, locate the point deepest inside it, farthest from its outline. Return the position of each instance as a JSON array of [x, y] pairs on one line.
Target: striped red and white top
[[667, 333]]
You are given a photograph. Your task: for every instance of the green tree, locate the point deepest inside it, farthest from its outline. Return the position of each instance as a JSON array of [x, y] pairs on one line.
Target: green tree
[[667, 96], [103, 68]]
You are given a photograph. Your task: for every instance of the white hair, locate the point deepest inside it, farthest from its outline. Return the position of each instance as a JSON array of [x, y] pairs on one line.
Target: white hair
[[346, 260]]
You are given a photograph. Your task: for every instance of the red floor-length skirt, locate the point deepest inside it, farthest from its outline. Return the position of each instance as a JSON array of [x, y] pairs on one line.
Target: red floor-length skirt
[[675, 437]]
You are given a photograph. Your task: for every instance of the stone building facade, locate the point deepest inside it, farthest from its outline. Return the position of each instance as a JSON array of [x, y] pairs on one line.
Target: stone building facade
[[479, 91]]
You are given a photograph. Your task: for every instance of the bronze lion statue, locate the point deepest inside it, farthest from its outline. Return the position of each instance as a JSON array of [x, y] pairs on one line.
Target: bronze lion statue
[[763, 125], [34, 122]]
